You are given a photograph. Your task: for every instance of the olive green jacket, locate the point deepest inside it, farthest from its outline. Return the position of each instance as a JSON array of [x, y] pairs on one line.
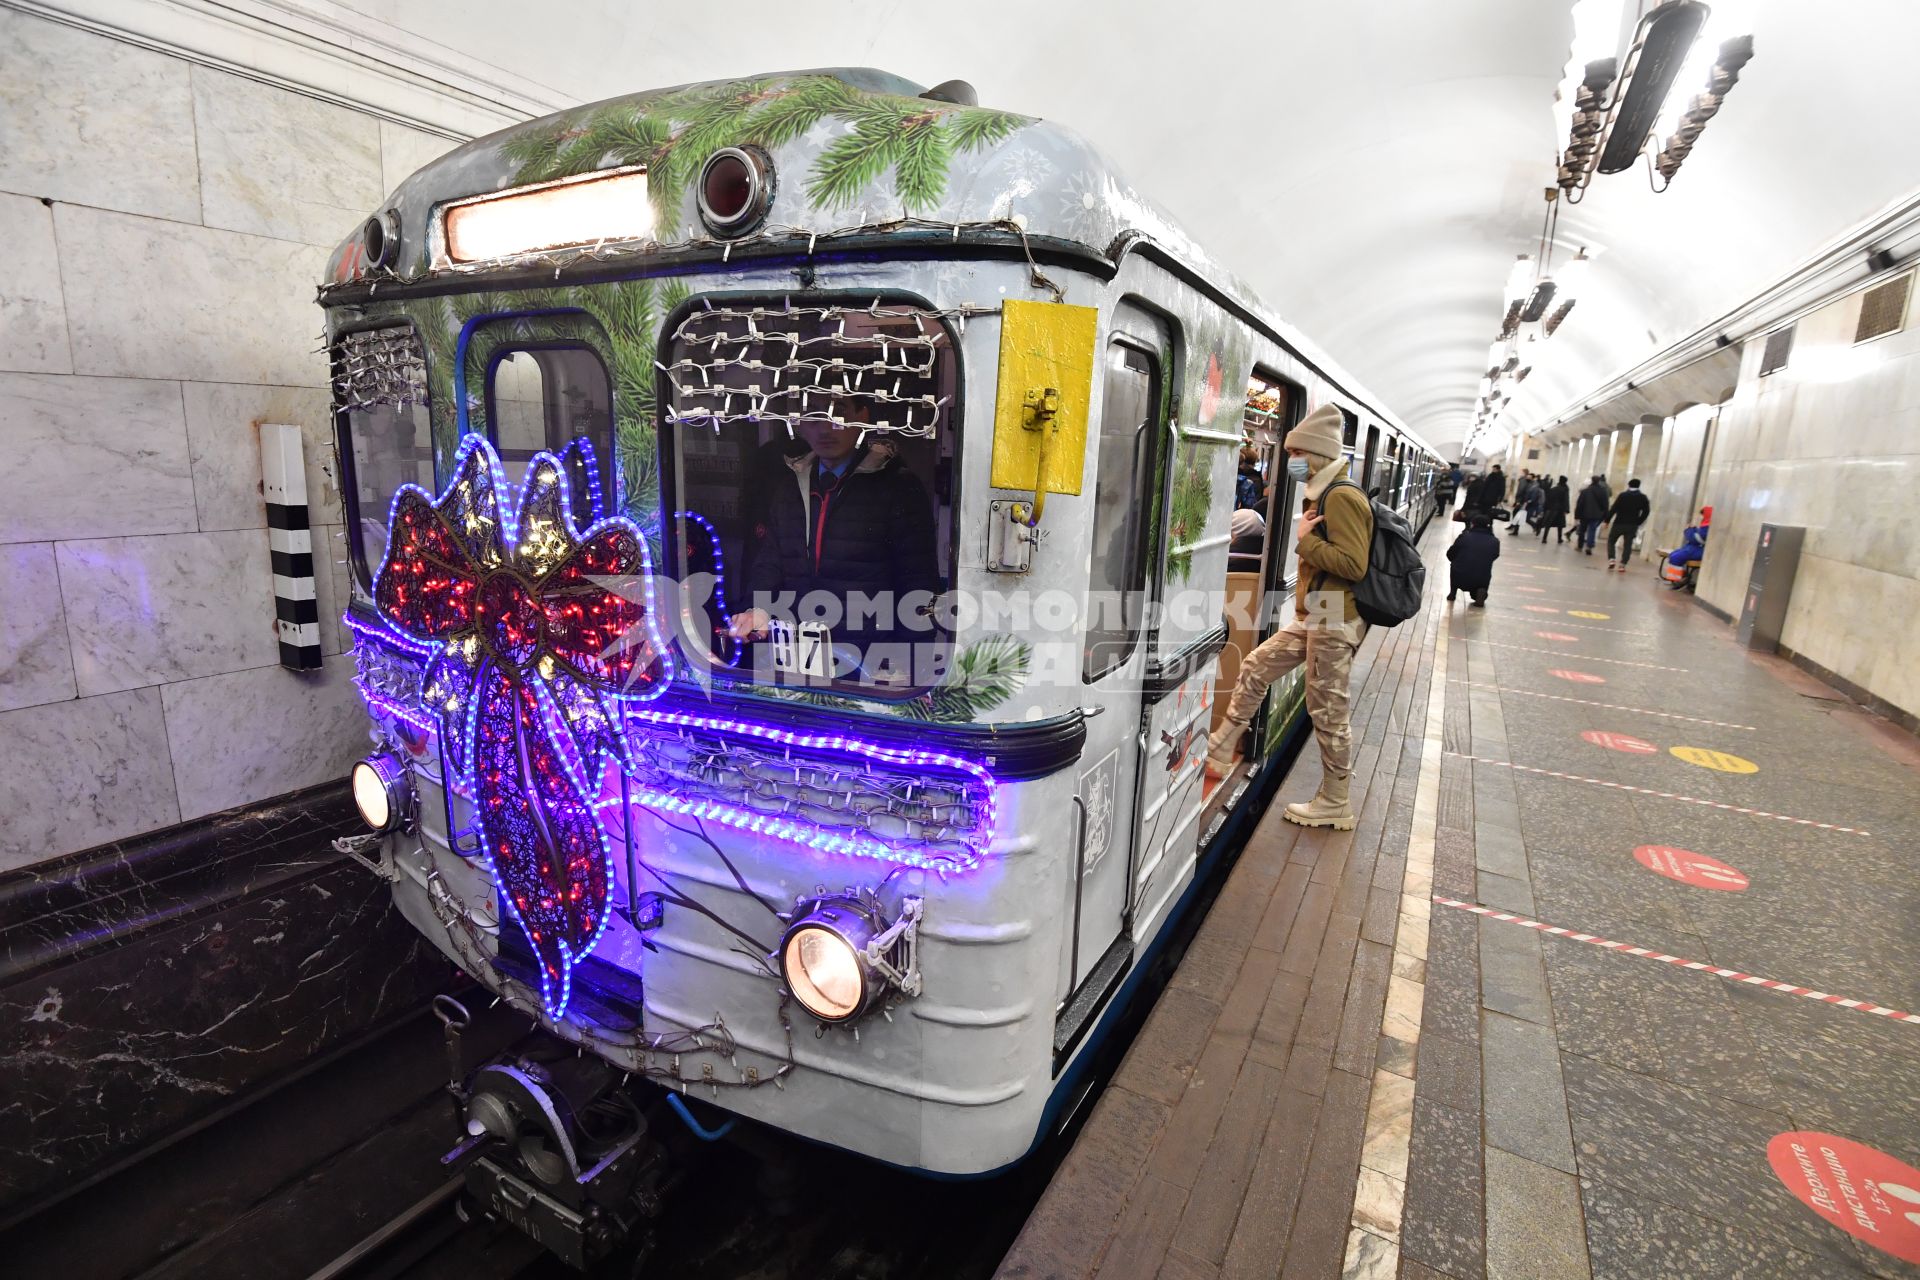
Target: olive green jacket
[[1334, 555]]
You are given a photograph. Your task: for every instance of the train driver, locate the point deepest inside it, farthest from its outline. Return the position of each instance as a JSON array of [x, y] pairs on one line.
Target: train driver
[[847, 543]]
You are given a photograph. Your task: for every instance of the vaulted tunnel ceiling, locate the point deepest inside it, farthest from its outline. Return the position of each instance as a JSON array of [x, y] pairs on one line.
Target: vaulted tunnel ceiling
[[1370, 167]]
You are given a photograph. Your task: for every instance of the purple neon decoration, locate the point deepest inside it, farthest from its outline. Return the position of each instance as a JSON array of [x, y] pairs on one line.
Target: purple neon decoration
[[590, 464], [386, 635], [531, 658], [719, 578], [380, 705], [807, 835]]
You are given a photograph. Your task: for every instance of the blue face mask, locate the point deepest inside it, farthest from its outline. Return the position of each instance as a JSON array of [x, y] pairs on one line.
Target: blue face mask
[[1298, 468]]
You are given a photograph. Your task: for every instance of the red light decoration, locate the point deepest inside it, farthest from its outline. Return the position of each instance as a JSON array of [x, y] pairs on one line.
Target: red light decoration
[[532, 656]]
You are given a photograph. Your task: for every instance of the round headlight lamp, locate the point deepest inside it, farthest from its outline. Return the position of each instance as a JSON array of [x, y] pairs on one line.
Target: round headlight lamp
[[382, 792], [823, 958], [380, 239], [736, 186]]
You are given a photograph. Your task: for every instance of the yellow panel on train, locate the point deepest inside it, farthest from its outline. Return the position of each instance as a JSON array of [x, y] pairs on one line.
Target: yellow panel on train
[[1044, 347]]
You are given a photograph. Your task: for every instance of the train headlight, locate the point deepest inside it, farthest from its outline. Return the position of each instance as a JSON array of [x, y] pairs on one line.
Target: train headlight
[[736, 186], [382, 792], [840, 955]]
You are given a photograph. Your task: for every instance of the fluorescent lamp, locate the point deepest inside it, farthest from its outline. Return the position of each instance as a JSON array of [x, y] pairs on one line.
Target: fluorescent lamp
[[610, 207]]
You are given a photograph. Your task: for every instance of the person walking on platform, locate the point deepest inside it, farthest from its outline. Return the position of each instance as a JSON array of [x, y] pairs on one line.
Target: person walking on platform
[[1589, 513], [1472, 555], [1553, 511], [1628, 513], [1526, 501], [1487, 492], [1334, 540]]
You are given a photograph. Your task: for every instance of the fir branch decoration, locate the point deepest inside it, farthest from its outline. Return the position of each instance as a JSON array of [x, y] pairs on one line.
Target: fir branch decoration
[[920, 173], [975, 127], [984, 675], [672, 134]]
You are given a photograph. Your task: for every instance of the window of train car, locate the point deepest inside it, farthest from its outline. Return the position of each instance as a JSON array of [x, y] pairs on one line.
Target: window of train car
[[379, 379], [1122, 499], [540, 399], [810, 459]]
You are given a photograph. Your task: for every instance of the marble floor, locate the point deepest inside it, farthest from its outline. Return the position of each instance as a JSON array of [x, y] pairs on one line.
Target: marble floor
[[1615, 977]]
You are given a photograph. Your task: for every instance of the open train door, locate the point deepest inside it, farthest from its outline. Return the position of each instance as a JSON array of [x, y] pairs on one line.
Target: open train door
[[1132, 373]]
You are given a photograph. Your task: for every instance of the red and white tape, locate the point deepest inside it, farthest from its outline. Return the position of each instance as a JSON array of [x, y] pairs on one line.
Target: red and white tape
[[1610, 706], [1559, 653], [1645, 953], [1664, 795], [1583, 626]]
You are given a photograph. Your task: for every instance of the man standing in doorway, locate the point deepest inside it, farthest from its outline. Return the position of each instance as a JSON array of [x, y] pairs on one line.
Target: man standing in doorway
[[1334, 538], [1628, 513]]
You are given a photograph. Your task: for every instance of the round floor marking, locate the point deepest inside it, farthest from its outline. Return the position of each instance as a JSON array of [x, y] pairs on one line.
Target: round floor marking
[[1587, 613], [1539, 608], [1556, 635], [1689, 867], [1619, 742], [1532, 591], [1578, 677], [1707, 758], [1863, 1191]]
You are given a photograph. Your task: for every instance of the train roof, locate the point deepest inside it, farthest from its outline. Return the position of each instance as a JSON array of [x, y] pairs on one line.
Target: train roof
[[852, 149]]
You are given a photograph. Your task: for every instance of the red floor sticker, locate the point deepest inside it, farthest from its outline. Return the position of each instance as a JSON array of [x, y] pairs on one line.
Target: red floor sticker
[[1578, 677], [1865, 1192], [1557, 635], [1619, 742], [1533, 591], [1538, 608], [1689, 867]]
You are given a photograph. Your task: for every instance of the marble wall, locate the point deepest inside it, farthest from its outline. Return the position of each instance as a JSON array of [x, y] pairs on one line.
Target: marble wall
[[1831, 442], [166, 225]]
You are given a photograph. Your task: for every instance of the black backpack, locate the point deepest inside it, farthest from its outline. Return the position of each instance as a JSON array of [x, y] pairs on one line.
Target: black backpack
[[1389, 592]]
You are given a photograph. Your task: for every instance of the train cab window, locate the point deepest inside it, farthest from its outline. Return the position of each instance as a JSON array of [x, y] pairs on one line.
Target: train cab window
[[1123, 483], [810, 454], [379, 379], [545, 399]]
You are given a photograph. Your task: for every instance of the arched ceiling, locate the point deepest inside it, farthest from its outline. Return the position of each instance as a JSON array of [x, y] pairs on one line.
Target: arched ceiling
[[1371, 167]]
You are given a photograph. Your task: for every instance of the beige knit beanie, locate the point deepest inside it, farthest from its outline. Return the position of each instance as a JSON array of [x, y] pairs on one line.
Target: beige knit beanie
[[1319, 433]]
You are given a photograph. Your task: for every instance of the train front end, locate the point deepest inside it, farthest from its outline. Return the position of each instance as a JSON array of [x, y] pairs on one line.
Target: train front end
[[813, 868]]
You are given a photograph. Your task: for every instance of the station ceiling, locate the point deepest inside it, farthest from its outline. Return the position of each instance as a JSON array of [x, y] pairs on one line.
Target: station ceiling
[[1371, 167]]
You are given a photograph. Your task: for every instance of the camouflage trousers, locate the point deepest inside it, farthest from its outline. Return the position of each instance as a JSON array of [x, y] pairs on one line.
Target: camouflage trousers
[[1328, 655]]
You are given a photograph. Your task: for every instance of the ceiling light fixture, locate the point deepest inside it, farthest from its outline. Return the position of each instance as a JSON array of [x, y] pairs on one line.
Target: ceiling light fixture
[[1660, 44], [1676, 46], [1734, 54]]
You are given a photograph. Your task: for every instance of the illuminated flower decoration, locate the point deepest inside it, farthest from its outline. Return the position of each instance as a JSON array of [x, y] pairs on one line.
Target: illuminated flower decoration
[[532, 654]]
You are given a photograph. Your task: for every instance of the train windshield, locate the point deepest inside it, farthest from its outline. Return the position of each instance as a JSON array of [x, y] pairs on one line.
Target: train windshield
[[547, 399], [810, 454], [380, 405]]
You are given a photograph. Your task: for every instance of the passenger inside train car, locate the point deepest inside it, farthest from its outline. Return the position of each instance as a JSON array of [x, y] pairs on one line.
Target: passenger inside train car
[[826, 641]]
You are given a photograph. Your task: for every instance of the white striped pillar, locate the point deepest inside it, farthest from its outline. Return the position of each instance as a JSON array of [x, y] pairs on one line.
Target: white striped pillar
[[296, 610]]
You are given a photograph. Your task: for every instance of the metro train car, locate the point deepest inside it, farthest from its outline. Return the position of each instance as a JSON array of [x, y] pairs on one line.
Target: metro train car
[[628, 401]]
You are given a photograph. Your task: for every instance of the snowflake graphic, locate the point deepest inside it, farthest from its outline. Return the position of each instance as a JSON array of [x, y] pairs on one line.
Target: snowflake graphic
[[1081, 204], [1028, 170]]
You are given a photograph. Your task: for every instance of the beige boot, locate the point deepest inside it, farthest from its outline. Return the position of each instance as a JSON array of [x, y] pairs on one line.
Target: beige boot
[[1223, 745], [1328, 808]]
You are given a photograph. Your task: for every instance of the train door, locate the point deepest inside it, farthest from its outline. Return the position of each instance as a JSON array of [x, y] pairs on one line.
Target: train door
[[1134, 377], [1367, 480]]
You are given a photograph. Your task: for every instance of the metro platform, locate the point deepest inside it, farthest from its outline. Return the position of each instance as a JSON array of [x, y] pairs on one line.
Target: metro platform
[[1614, 978]]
